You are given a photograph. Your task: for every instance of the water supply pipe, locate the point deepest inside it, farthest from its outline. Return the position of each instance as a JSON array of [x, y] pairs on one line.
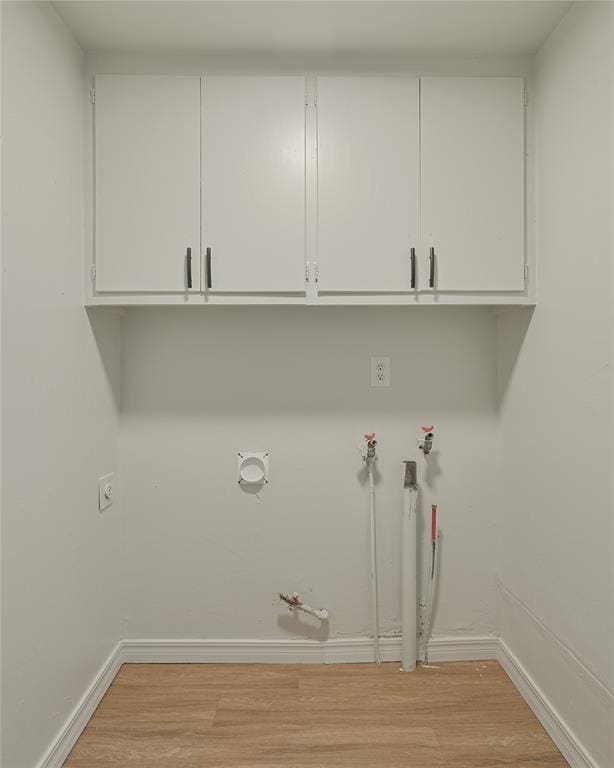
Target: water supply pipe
[[409, 649], [432, 580], [370, 457]]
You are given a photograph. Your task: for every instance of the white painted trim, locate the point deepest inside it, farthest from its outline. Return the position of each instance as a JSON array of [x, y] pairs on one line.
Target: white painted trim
[[323, 299], [335, 650], [558, 730], [272, 651], [60, 747], [463, 648]]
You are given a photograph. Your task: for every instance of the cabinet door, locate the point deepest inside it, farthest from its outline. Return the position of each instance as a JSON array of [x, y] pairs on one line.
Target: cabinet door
[[368, 183], [472, 152], [147, 183], [254, 183]]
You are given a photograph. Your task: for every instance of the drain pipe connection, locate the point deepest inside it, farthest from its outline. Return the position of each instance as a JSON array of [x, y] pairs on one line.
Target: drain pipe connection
[[409, 650], [370, 457], [294, 601]]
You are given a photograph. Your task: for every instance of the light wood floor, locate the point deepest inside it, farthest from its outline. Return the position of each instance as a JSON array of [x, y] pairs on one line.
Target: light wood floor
[[461, 715]]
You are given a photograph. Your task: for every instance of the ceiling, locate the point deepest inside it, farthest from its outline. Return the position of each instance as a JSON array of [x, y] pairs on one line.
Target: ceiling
[[311, 25]]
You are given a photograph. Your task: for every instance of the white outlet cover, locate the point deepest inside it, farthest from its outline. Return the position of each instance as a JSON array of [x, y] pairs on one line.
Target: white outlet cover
[[105, 491], [380, 371], [253, 467]]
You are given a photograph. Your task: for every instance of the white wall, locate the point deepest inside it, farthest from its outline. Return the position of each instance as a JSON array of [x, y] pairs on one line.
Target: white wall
[[60, 397], [208, 558], [203, 565], [557, 543], [190, 554]]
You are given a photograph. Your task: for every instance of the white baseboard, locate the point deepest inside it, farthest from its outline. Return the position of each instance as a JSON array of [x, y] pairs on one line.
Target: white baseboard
[[273, 651], [463, 648], [71, 730], [334, 651], [555, 726]]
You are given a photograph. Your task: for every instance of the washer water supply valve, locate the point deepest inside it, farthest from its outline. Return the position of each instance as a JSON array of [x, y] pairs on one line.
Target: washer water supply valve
[[426, 444], [294, 601], [368, 452]]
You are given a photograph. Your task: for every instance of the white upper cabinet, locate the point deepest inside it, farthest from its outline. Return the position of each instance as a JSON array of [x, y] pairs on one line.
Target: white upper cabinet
[[147, 183], [254, 189], [472, 154], [253, 184], [368, 183]]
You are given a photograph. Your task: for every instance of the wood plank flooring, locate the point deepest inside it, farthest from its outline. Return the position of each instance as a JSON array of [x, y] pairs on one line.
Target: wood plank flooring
[[459, 715]]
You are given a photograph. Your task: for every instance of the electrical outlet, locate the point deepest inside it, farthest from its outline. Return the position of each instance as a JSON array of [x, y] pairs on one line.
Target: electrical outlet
[[105, 491], [380, 371]]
